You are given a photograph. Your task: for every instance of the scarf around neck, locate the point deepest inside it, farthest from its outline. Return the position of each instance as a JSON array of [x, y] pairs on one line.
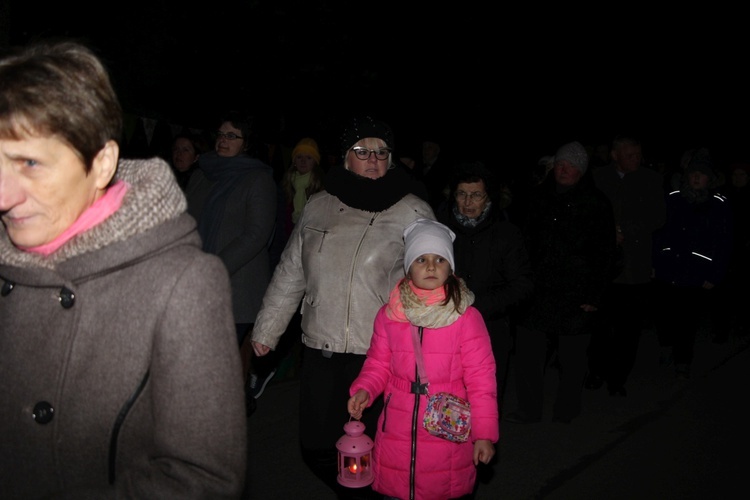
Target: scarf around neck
[[425, 308], [363, 193], [151, 199], [467, 222], [226, 173], [299, 184], [97, 213]]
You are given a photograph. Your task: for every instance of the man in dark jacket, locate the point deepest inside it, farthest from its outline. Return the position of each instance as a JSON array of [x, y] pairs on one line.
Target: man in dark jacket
[[637, 199], [570, 236]]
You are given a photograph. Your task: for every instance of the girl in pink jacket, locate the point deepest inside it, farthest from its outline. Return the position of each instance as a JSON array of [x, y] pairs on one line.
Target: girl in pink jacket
[[408, 462]]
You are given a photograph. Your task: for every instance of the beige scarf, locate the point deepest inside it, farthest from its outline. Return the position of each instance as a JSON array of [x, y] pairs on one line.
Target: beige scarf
[[425, 307]]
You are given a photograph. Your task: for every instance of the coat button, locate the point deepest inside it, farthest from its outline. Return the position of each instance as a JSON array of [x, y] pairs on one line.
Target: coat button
[[7, 288], [67, 298], [43, 412]]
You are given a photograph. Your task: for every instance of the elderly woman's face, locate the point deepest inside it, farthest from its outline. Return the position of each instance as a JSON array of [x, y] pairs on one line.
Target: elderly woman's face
[[566, 174], [44, 188], [229, 141], [371, 166], [471, 198]]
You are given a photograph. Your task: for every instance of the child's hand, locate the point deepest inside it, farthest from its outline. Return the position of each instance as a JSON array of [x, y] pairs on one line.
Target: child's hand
[[484, 450], [357, 403]]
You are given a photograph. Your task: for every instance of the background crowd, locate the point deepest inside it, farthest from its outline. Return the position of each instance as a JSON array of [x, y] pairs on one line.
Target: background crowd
[[564, 256]]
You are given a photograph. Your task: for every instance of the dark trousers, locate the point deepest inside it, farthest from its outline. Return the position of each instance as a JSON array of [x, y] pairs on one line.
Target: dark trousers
[[324, 391], [682, 309], [530, 360], [625, 311], [502, 344]]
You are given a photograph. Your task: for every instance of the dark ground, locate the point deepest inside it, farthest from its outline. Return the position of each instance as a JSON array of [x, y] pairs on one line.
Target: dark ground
[[668, 439]]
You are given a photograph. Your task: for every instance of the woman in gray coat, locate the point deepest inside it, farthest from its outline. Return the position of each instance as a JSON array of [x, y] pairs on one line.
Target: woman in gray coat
[[119, 370]]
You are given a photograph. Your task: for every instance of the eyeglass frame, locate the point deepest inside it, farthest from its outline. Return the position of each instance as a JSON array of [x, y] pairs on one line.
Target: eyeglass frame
[[370, 152], [475, 196], [230, 136]]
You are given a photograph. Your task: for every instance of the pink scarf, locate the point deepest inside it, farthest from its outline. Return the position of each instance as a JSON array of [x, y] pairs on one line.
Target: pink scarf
[[395, 308], [102, 208]]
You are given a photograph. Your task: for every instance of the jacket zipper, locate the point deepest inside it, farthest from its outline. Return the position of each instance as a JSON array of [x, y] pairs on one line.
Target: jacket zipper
[[414, 427], [351, 281]]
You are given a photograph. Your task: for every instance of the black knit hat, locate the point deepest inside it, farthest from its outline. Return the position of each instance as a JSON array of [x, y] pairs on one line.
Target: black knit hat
[[365, 126]]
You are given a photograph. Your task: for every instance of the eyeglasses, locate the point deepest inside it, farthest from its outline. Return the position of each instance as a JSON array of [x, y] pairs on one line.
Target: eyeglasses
[[475, 196], [364, 153], [230, 136]]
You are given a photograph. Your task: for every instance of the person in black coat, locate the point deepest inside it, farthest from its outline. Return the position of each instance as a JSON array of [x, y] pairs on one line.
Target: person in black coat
[[570, 235], [691, 258], [637, 198], [490, 255]]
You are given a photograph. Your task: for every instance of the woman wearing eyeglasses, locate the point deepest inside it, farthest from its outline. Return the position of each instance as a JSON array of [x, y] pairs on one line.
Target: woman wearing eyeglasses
[[342, 259], [232, 195], [490, 255]]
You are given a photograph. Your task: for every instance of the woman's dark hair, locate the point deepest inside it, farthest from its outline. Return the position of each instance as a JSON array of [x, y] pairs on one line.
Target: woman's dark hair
[[199, 142], [474, 171]]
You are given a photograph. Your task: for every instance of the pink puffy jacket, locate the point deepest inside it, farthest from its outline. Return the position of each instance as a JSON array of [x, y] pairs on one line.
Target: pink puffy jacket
[[458, 359]]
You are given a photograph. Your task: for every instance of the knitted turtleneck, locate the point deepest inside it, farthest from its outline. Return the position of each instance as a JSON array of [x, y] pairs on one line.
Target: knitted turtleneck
[[363, 193]]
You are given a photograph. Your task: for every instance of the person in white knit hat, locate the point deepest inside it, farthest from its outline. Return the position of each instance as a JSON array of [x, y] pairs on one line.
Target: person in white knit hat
[[431, 306], [570, 236]]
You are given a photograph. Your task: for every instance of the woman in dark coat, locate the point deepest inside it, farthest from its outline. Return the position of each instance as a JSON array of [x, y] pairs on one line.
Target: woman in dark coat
[[490, 255], [570, 236]]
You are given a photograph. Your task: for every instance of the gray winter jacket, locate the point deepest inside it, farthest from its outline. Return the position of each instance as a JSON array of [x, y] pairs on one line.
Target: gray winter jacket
[[120, 375], [342, 263]]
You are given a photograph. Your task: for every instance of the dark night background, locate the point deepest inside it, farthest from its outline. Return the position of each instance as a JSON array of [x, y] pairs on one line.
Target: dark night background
[[506, 84]]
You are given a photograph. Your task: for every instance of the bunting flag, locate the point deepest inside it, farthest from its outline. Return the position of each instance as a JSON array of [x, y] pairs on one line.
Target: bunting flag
[[145, 137]]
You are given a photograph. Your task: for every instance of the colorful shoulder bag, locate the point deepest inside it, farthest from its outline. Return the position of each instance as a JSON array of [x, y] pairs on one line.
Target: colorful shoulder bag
[[447, 415]]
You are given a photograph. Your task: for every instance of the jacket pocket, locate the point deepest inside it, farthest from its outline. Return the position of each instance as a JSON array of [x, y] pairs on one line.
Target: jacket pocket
[[385, 411], [313, 238]]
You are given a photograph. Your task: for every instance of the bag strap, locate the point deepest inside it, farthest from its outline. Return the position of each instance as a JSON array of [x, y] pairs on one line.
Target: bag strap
[[420, 386]]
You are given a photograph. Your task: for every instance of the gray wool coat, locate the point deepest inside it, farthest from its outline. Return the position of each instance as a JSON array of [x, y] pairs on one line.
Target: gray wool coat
[[120, 375]]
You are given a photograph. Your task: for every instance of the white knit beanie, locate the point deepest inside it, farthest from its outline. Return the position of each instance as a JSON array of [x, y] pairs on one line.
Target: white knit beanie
[[575, 153], [428, 236]]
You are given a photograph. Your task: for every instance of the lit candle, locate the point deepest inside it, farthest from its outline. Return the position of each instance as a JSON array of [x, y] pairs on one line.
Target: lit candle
[[353, 468]]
